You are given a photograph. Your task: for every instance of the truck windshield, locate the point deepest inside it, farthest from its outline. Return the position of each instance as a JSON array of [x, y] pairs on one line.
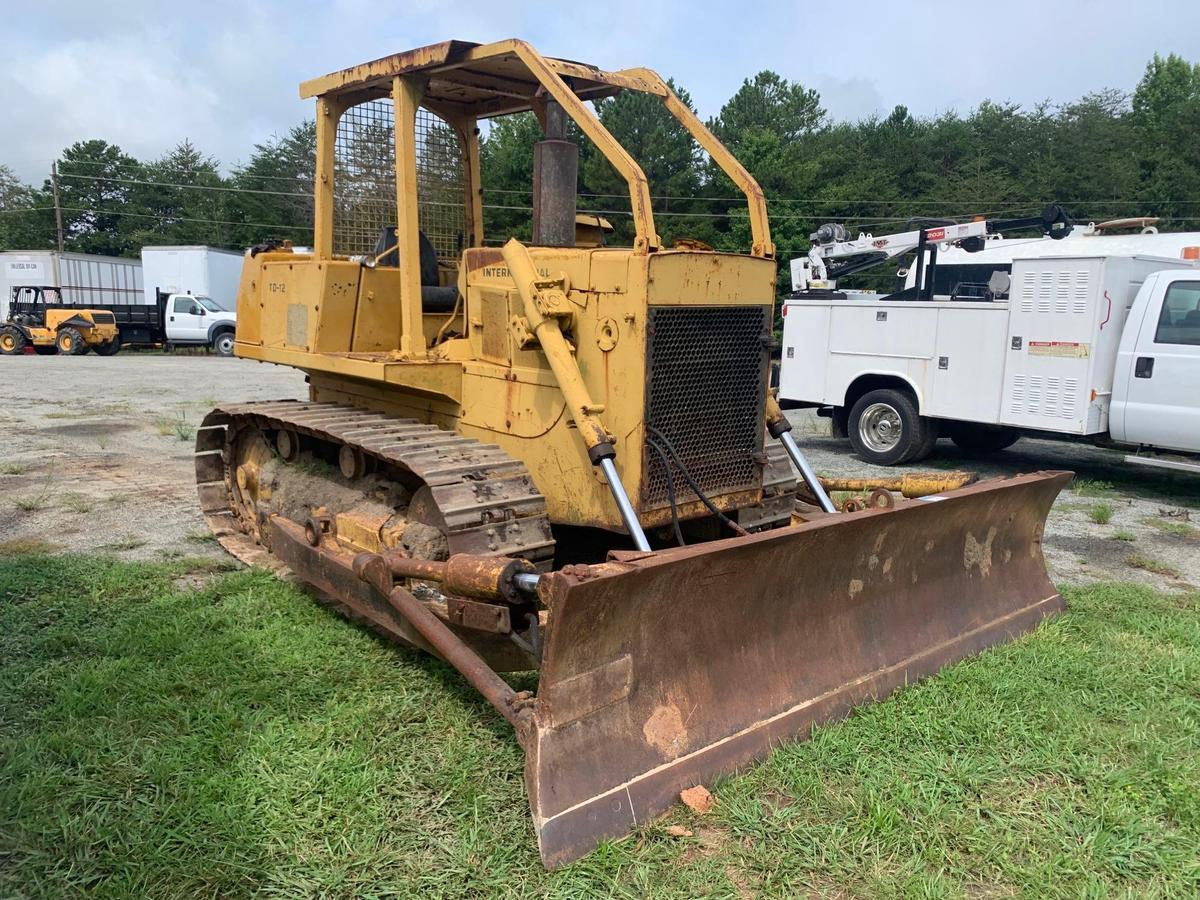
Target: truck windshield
[[210, 304]]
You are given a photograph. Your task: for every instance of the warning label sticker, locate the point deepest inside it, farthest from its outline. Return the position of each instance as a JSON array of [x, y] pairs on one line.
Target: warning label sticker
[[1067, 349]]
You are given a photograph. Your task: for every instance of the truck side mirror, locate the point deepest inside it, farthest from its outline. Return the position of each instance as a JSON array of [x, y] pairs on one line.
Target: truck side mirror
[[197, 310]]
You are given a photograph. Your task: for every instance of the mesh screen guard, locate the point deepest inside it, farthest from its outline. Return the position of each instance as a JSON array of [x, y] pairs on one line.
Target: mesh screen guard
[[364, 185], [706, 379]]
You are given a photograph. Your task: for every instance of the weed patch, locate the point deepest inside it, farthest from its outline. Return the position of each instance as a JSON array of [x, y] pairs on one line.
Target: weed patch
[[1101, 513], [1149, 564], [1090, 487], [25, 547]]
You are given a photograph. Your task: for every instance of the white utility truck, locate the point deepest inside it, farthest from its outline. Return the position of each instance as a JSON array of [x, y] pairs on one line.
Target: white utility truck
[[1064, 339]]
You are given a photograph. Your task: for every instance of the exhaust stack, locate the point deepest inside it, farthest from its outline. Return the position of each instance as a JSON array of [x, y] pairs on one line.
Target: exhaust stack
[[555, 174]]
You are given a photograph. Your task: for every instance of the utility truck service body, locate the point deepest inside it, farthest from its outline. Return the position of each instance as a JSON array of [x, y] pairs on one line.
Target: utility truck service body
[[1091, 346]]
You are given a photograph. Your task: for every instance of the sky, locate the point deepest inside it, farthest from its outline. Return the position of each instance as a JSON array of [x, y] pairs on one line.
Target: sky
[[224, 74]]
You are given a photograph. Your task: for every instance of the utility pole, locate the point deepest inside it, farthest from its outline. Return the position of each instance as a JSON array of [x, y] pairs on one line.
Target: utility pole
[[57, 205]]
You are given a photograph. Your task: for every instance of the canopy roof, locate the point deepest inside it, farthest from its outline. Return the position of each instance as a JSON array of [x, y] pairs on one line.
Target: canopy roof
[[479, 80]]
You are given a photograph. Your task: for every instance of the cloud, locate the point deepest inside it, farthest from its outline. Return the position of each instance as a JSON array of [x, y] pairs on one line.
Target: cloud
[[224, 73]]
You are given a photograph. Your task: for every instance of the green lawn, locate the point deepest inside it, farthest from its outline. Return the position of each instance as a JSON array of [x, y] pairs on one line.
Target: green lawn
[[157, 740]]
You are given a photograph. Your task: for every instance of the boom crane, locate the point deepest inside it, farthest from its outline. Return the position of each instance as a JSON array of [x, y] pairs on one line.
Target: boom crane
[[834, 254]]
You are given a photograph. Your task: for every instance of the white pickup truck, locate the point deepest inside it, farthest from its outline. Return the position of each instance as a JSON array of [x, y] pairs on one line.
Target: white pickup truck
[[1097, 347]]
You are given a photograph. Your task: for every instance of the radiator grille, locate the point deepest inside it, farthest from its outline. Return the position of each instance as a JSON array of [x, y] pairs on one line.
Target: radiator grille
[[707, 369]]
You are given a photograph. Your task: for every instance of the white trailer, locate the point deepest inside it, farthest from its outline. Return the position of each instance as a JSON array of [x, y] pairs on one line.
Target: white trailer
[[196, 270], [1097, 347], [84, 279]]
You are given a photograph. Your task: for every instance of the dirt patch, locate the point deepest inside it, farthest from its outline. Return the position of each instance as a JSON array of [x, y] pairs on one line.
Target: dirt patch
[[90, 429], [105, 480]]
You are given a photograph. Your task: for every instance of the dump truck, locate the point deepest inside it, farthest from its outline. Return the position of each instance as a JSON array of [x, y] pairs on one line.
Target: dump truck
[[538, 456]]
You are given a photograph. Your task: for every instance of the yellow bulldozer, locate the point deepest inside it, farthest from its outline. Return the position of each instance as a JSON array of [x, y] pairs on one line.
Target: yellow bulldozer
[[38, 318], [565, 457]]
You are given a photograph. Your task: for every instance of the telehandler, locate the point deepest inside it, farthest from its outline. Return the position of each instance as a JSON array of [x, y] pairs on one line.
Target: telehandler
[[566, 458], [37, 317]]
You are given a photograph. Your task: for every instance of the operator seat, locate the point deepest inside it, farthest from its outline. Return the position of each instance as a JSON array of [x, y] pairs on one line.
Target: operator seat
[[434, 297]]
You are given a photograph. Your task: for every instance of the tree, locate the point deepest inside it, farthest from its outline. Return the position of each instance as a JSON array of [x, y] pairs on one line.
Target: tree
[[275, 198], [96, 187], [506, 162], [662, 147], [1166, 118], [183, 193], [769, 103], [26, 216]]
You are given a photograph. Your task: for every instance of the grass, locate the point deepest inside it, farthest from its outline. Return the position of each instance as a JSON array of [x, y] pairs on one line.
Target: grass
[[1150, 564], [25, 547], [41, 499], [315, 466], [12, 468], [126, 543], [1123, 534], [178, 426], [202, 536], [1101, 513], [77, 503], [241, 739], [1091, 487], [1174, 527]]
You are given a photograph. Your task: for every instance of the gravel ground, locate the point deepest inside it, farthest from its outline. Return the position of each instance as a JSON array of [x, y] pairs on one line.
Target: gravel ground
[[98, 451], [98, 456], [1117, 521]]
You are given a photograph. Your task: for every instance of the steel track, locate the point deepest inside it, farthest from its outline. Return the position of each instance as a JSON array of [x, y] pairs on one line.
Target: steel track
[[487, 500]]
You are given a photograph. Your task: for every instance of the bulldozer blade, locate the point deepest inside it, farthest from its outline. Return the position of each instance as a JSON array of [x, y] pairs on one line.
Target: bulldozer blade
[[665, 670]]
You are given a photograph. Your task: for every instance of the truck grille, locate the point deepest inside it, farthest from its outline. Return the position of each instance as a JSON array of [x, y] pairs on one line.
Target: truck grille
[[706, 377]]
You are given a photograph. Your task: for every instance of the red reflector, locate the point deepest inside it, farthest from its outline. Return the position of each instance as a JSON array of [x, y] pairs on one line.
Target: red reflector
[[785, 310]]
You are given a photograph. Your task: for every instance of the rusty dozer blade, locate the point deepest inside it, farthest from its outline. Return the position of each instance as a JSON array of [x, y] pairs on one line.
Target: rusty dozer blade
[[665, 670]]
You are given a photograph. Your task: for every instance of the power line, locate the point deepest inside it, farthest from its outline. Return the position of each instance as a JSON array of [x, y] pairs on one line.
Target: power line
[[191, 187], [141, 168], [100, 212], [608, 212], [839, 201]]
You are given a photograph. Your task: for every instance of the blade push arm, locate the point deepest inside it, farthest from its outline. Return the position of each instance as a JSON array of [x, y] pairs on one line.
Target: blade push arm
[[545, 301]]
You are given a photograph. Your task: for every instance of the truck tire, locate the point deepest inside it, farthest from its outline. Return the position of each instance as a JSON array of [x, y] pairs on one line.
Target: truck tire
[[973, 438], [932, 431], [112, 348], [885, 427], [223, 343], [12, 341], [70, 342]]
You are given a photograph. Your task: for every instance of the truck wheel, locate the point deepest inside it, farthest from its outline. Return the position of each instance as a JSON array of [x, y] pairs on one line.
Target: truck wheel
[[111, 348], [972, 438], [223, 343], [885, 427], [12, 341], [69, 342], [929, 439]]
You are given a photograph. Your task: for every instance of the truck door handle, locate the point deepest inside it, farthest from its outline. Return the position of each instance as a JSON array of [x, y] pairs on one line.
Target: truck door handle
[[1143, 367], [172, 318]]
